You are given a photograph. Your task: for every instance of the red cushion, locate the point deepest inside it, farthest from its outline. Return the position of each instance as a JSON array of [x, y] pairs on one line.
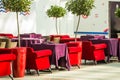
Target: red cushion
[[5, 50], [7, 35], [74, 49], [64, 36], [43, 53], [74, 44], [100, 46], [7, 57], [64, 40]]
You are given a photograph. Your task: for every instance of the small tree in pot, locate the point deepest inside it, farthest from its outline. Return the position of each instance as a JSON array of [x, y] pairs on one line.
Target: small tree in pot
[[57, 12], [117, 12], [17, 6], [80, 7]]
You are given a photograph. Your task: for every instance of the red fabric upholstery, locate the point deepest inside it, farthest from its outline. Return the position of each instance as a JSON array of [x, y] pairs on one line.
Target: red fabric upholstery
[[6, 57], [7, 35], [64, 40], [75, 53], [5, 61], [93, 51], [38, 60], [5, 51]]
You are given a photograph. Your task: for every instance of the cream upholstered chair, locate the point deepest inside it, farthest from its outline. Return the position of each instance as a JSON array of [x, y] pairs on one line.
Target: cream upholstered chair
[[56, 40], [2, 44], [12, 45]]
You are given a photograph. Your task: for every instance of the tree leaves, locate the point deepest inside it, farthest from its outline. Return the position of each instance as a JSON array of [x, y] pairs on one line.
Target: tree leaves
[[17, 5], [56, 11], [117, 12], [80, 7]]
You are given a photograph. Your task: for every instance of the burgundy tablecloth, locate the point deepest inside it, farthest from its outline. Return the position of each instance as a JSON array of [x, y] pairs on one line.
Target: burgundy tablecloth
[[60, 55]]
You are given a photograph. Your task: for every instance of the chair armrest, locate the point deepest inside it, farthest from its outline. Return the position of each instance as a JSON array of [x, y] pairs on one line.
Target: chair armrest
[[100, 46], [74, 44], [5, 50], [74, 49], [42, 53], [7, 57]]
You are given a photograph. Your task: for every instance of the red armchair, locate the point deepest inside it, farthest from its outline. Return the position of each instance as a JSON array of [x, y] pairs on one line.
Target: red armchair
[[38, 60], [5, 61], [75, 53], [93, 52]]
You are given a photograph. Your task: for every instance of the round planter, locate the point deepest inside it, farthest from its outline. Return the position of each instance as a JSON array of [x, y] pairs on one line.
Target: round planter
[[20, 62]]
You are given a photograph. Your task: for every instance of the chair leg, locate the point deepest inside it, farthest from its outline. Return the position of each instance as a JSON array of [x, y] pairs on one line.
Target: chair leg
[[78, 66], [38, 72], [50, 70], [11, 77], [105, 62], [28, 71], [85, 61], [95, 62]]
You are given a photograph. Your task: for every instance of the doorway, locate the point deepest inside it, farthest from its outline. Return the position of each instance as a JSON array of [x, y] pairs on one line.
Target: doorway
[[114, 21]]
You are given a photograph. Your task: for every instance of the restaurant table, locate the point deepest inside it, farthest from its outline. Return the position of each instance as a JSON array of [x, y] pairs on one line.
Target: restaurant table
[[112, 46], [59, 56], [27, 42]]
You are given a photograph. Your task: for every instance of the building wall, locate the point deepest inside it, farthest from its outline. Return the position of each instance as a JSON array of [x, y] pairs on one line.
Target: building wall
[[27, 21], [39, 22], [98, 21], [46, 25]]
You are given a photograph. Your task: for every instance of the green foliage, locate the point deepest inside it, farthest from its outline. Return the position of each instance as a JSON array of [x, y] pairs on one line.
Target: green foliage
[[56, 11], [117, 12], [80, 7], [17, 5]]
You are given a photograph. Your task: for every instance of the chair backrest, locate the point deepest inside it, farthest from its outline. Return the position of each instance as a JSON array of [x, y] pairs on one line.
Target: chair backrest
[[86, 38], [12, 45], [86, 44], [87, 49], [7, 40], [64, 36], [5, 51], [2, 44], [25, 35], [74, 44], [29, 50], [8, 35]]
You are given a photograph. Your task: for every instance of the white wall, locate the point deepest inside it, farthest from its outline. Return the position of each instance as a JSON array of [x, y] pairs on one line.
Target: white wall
[[98, 20], [27, 23], [46, 25], [39, 22]]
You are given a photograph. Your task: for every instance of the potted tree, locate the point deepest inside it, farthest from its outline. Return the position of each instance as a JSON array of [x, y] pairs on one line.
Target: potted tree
[[80, 7], [56, 12], [18, 6], [117, 12]]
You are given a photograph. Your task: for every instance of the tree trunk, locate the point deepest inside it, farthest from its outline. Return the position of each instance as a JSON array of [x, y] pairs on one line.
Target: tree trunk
[[56, 25], [77, 28], [18, 29]]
